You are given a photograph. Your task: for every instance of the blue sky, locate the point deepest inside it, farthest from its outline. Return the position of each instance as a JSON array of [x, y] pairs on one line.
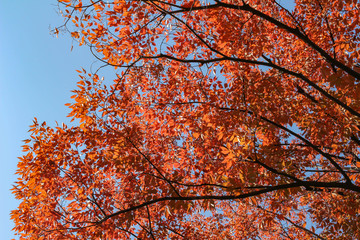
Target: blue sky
[[37, 73]]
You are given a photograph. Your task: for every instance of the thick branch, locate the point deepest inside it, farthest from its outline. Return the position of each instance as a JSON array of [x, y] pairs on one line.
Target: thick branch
[[308, 185]]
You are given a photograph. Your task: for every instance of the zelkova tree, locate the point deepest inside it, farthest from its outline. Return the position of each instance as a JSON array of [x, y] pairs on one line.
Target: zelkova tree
[[227, 119]]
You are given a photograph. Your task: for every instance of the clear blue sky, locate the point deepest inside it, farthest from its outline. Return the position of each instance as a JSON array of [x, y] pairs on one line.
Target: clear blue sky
[[37, 73]]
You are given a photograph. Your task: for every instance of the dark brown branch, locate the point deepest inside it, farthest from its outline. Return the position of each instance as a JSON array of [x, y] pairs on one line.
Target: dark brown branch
[[308, 184], [204, 61], [206, 197]]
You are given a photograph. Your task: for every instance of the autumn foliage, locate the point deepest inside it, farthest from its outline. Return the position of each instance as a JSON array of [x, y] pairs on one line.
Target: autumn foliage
[[227, 119]]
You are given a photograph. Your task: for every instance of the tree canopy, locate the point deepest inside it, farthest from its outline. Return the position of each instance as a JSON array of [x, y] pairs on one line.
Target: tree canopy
[[227, 119]]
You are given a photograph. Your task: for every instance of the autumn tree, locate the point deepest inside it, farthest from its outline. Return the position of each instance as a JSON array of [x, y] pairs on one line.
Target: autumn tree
[[227, 119]]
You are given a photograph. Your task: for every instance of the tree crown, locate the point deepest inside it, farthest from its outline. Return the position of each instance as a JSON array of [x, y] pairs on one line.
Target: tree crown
[[234, 119]]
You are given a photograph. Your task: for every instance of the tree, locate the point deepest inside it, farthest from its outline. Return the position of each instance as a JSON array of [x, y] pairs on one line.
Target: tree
[[227, 119]]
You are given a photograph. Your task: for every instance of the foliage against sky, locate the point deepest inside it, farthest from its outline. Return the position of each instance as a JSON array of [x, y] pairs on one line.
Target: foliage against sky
[[226, 120]]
